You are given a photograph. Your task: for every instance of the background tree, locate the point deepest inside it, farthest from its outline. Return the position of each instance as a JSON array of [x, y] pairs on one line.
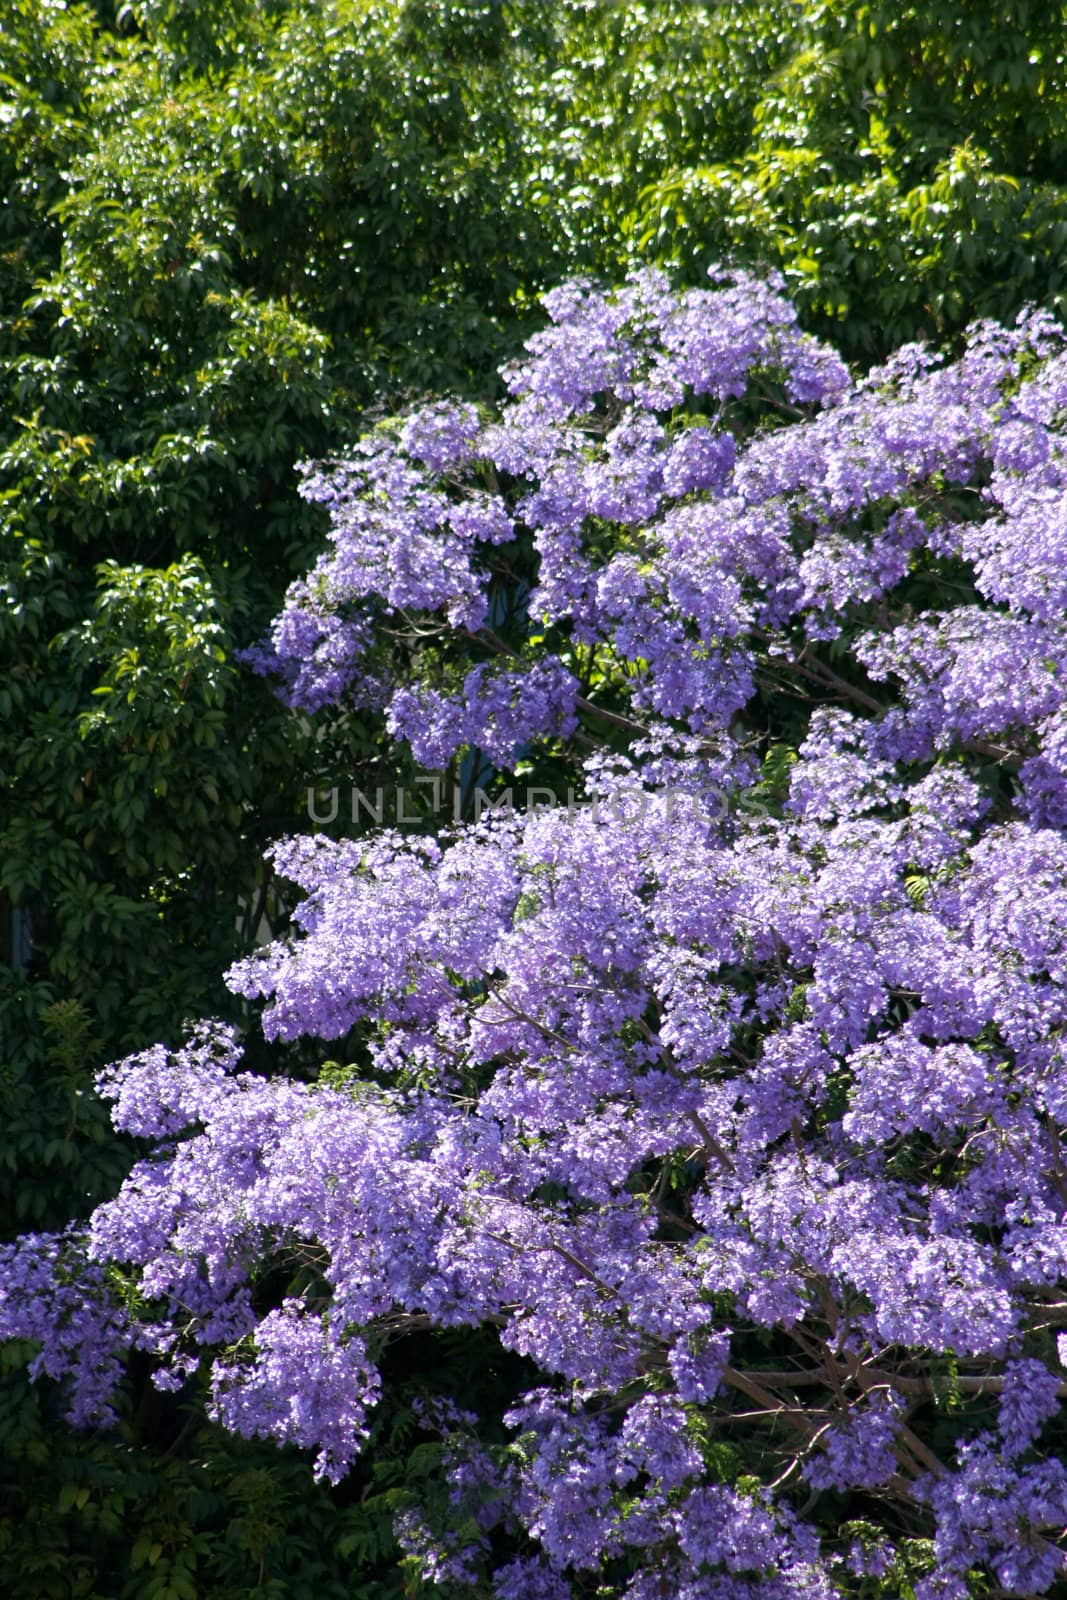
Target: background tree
[[902, 166]]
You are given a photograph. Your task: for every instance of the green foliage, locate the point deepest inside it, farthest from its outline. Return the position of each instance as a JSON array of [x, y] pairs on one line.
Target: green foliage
[[58, 1154], [128, 781], [230, 226], [172, 1508], [904, 171], [210, 1517], [638, 85]]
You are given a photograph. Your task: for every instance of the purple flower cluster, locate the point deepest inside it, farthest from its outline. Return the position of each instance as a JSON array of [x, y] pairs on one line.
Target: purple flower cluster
[[307, 1384], [741, 1117], [50, 1297], [495, 711], [859, 1452]]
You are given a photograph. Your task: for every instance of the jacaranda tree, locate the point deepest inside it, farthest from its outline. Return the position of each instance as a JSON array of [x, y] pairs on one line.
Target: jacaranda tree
[[722, 1078]]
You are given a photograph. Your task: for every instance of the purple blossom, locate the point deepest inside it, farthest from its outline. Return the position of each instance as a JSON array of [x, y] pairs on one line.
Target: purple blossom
[[302, 1387], [858, 1453], [51, 1295], [1029, 1398], [730, 1095]]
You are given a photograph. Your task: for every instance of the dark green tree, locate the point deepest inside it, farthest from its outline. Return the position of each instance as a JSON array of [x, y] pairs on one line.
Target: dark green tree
[[904, 169]]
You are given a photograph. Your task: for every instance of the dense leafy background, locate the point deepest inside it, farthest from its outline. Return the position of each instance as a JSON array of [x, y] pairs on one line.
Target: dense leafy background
[[232, 232]]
